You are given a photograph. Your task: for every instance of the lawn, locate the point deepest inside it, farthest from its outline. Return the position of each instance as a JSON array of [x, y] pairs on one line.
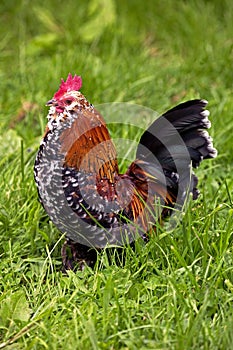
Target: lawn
[[176, 292]]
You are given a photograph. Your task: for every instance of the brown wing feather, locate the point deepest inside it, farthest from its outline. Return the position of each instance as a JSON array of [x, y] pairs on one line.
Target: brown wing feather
[[148, 194]]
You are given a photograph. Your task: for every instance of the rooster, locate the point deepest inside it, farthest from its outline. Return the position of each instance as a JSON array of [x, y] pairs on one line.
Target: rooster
[[78, 180]]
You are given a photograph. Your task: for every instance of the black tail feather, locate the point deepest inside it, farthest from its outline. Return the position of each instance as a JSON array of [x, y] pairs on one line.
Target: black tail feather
[[179, 139]]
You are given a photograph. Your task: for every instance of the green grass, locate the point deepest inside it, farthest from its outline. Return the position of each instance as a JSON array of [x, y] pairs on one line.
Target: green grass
[[177, 291]]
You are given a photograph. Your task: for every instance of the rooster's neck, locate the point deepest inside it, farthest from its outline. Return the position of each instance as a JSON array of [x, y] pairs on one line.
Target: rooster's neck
[[87, 145]]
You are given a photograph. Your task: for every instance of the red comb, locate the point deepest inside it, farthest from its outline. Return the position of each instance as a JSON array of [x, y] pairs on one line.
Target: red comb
[[71, 83]]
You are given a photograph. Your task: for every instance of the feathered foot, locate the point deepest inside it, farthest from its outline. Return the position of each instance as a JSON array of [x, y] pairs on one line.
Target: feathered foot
[[76, 256]]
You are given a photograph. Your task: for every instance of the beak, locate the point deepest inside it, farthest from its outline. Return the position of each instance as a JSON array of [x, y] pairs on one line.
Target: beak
[[51, 102]]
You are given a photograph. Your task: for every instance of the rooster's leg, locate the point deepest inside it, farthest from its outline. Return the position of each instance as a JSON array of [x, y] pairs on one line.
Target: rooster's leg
[[76, 256]]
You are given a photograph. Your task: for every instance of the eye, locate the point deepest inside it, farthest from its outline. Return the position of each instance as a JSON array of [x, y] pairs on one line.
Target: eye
[[68, 101]]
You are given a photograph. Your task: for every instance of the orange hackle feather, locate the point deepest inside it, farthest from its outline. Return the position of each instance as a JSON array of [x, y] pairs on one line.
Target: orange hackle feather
[[88, 146]]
